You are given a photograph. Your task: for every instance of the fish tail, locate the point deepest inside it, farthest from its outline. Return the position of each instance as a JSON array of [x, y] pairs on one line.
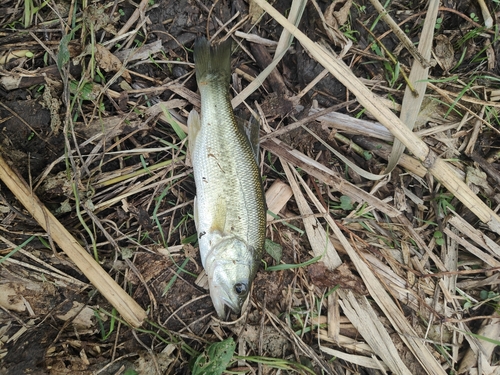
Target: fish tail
[[212, 63]]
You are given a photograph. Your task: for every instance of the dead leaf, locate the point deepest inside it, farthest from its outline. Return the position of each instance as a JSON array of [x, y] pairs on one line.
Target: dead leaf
[[323, 277], [274, 343], [255, 12], [81, 316], [337, 18], [20, 294], [109, 62], [430, 110], [98, 17], [443, 52], [52, 103], [150, 363], [190, 250], [476, 178], [11, 297], [400, 199], [57, 185], [332, 20], [112, 127]]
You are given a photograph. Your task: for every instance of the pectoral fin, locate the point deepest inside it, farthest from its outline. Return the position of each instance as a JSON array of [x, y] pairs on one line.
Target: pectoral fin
[[194, 125], [219, 217]]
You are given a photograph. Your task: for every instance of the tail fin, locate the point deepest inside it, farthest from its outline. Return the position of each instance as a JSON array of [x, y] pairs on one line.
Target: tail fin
[[212, 63]]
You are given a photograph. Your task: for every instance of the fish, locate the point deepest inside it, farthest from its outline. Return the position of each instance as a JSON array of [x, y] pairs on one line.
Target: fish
[[229, 207]]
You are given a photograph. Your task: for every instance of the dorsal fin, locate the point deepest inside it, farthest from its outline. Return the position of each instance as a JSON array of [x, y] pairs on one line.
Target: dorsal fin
[[251, 129]]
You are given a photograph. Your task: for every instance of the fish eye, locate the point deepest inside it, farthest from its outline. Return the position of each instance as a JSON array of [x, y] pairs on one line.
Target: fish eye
[[241, 289]]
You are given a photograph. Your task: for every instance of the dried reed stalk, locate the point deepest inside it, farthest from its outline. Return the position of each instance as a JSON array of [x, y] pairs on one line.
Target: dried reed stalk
[[440, 169], [129, 309]]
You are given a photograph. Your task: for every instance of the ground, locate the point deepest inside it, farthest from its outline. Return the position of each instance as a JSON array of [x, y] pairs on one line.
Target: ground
[[395, 275]]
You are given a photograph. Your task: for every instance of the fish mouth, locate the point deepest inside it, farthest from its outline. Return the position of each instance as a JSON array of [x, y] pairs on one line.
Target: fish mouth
[[223, 302]]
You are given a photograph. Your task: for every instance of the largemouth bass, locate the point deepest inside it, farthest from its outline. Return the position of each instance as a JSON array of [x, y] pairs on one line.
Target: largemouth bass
[[229, 207]]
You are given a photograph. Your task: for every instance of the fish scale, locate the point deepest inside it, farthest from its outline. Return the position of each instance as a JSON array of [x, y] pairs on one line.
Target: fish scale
[[229, 205]]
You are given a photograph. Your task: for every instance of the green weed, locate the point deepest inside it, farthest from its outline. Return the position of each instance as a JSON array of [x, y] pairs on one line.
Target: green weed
[[281, 267], [275, 250], [16, 249], [105, 335], [444, 205], [174, 278], [439, 23], [215, 358], [291, 226], [30, 11], [175, 125], [438, 238], [484, 338]]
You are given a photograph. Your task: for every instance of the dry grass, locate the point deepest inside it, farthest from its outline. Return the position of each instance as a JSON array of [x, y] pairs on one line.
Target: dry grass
[[370, 267]]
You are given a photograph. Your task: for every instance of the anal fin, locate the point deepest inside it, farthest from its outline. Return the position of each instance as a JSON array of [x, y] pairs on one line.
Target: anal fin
[[195, 213]]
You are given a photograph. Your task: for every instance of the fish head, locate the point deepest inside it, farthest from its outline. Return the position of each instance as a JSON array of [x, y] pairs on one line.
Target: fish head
[[230, 268]]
